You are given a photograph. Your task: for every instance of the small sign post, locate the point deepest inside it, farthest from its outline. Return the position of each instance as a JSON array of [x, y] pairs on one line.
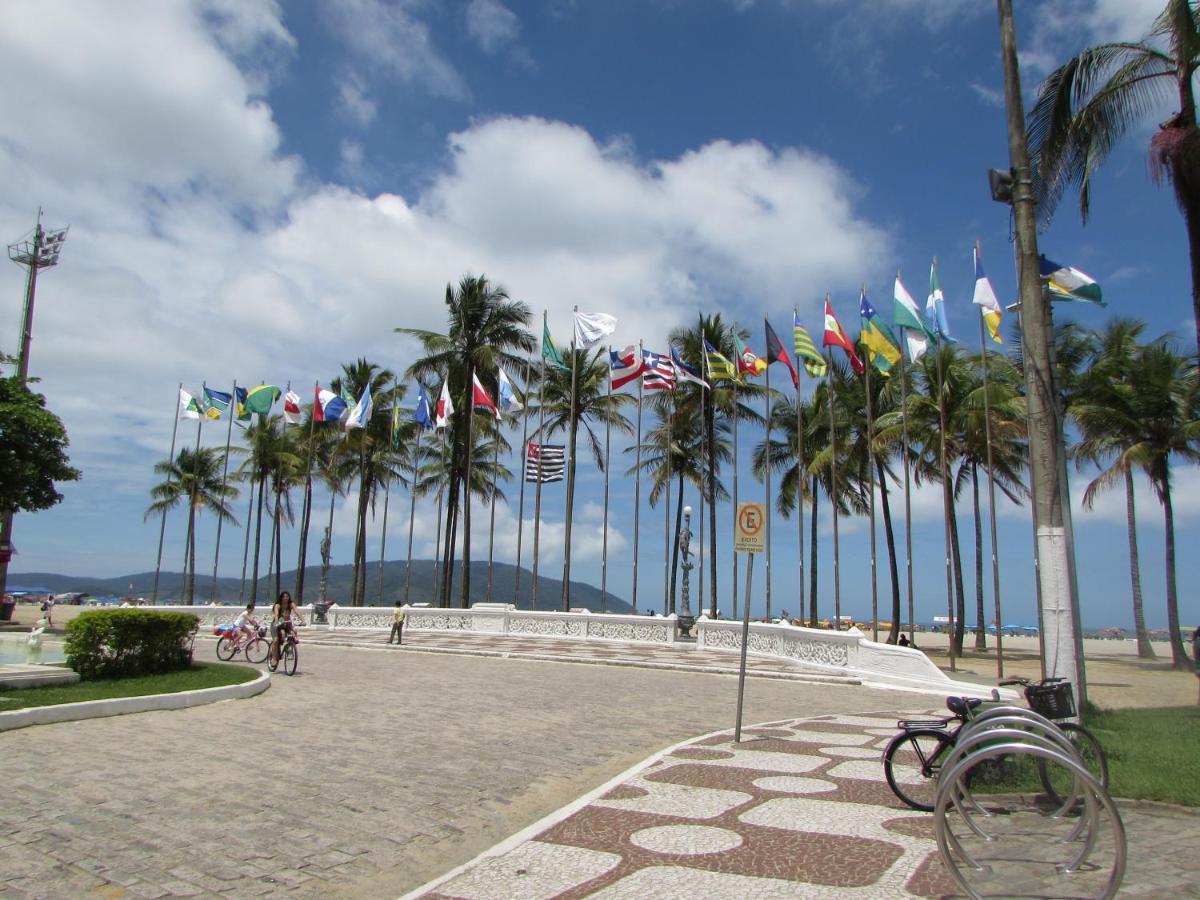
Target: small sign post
[[749, 537]]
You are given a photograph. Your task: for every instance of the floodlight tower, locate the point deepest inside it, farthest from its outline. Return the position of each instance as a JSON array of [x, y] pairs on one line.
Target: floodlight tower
[[40, 253]]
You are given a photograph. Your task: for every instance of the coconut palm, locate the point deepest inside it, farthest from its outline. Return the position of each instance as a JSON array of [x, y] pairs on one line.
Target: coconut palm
[[1090, 102], [269, 449], [1109, 421], [318, 444], [486, 330], [593, 404], [194, 478]]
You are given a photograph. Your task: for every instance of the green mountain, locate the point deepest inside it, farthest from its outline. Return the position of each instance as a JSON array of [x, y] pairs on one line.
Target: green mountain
[[421, 589]]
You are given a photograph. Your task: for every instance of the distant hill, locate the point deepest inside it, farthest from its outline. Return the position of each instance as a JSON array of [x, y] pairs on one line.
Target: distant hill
[[421, 590]]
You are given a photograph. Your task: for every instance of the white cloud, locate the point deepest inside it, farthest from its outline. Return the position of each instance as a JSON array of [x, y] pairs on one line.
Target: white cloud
[[353, 102], [1061, 28], [1109, 506], [990, 96], [491, 25]]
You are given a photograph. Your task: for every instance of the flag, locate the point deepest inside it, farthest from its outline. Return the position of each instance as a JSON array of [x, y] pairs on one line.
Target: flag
[[216, 402], [292, 414], [544, 462], [480, 398], [361, 414], [935, 308], [836, 337], [239, 395], [328, 406], [445, 409], [1068, 283], [260, 399], [882, 351], [397, 444], [550, 353], [684, 372], [806, 350], [624, 366], [591, 328], [748, 362], [189, 408], [908, 319], [508, 397], [985, 299], [421, 413], [776, 352], [659, 372], [718, 365]]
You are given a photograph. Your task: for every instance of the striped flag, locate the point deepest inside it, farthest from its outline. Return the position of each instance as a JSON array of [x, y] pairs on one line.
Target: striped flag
[[806, 350], [835, 336], [985, 299], [1068, 283], [625, 366], [718, 366], [684, 372], [659, 374], [544, 462]]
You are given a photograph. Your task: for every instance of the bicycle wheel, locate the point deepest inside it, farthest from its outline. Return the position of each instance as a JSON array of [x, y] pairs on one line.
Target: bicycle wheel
[[1057, 781], [257, 650], [912, 762], [226, 649], [291, 658]]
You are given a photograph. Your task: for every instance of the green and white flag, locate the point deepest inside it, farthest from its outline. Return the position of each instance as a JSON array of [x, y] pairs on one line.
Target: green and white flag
[[908, 317], [550, 352], [1068, 283], [189, 406]]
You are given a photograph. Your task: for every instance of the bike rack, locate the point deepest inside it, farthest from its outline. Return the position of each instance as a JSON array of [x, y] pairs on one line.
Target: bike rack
[[1021, 731]]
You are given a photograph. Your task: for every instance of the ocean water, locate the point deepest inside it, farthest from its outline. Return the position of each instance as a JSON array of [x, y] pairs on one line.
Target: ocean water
[[14, 648]]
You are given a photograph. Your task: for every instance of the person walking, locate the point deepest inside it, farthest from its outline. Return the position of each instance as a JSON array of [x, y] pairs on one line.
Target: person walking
[[397, 624]]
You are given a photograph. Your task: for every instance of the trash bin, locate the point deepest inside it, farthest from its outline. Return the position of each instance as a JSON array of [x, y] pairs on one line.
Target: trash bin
[[7, 605], [319, 610]]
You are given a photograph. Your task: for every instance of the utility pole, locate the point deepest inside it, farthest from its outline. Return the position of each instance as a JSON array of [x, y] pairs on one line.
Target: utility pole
[[40, 253], [1062, 654]]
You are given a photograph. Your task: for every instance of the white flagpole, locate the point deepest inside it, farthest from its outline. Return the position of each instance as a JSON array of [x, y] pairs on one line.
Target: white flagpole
[[767, 505], [212, 594], [162, 528], [668, 597], [987, 426], [521, 507], [412, 509], [871, 471], [537, 491], [607, 466], [637, 481], [387, 490], [495, 482], [572, 432]]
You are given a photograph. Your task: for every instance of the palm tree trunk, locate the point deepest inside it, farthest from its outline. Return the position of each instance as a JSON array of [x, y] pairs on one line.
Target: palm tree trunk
[[980, 612], [262, 480], [960, 599], [890, 536], [360, 543], [710, 428], [812, 560], [675, 549], [325, 549], [1184, 182], [1144, 647], [191, 543], [278, 542], [1179, 657], [305, 523]]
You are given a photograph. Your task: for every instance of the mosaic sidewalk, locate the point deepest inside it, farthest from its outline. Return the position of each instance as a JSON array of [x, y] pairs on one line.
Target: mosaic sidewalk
[[797, 809]]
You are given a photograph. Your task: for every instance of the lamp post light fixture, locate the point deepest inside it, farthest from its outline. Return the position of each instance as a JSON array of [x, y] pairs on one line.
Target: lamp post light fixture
[[686, 619], [40, 253]]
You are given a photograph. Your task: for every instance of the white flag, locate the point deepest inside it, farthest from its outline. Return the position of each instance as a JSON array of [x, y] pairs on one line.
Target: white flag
[[508, 398], [361, 414], [189, 408], [591, 328], [292, 414], [909, 321], [445, 409]]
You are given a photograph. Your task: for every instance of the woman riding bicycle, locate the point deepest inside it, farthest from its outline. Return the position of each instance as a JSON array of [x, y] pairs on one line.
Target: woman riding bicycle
[[283, 616]]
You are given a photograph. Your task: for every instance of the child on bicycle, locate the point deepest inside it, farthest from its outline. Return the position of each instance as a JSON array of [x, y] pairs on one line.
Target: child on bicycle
[[283, 616], [245, 624]]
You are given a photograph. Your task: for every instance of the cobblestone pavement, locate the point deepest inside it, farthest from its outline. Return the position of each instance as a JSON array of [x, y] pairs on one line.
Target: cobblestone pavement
[[366, 775], [800, 809]]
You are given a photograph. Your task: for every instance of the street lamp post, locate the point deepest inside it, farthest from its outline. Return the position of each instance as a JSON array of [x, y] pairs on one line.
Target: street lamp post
[[40, 253], [686, 619]]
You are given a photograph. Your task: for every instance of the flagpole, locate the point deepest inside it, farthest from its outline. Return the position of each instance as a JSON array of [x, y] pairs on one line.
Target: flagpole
[[566, 578], [492, 524], [521, 507], [735, 497], [607, 466], [833, 496], [767, 505], [306, 512], [871, 506], [668, 597], [162, 528], [249, 516], [212, 594], [802, 467], [637, 480], [387, 490], [710, 475], [189, 584], [908, 567], [537, 491], [412, 508], [438, 587], [987, 431], [947, 503]]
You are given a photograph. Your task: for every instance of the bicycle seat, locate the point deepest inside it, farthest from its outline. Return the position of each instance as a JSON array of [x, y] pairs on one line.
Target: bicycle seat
[[962, 706]]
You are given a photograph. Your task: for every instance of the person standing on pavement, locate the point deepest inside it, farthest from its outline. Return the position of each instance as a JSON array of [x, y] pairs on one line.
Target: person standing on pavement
[[397, 624]]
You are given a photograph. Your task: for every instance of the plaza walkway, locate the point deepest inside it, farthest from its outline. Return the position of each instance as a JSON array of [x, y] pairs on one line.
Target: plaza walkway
[[378, 769]]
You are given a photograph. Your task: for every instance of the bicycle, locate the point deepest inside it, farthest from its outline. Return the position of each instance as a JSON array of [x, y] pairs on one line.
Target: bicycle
[[920, 748], [255, 647], [1052, 698], [289, 654]]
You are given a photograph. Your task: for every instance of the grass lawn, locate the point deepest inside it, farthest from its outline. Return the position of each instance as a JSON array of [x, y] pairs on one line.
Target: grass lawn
[[1152, 753], [200, 675]]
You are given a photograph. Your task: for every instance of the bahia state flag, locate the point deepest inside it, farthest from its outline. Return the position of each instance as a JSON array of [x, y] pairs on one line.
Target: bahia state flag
[[544, 462], [1068, 283], [260, 399], [624, 366], [216, 402]]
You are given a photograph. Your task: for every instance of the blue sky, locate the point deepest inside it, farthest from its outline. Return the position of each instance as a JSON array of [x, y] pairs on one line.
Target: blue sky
[[263, 191]]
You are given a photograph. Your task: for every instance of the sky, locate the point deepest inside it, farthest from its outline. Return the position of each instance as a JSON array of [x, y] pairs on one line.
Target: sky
[[263, 191]]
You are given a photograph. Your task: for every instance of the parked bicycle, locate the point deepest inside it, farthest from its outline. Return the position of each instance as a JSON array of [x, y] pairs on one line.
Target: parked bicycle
[[232, 641], [913, 759]]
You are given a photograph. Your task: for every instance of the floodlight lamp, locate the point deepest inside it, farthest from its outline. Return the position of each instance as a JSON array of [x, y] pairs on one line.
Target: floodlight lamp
[[687, 510], [1001, 183]]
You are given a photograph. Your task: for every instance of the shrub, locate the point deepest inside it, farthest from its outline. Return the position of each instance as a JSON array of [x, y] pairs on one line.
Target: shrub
[[124, 643]]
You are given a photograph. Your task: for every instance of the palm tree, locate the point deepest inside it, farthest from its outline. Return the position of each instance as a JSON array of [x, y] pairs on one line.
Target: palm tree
[[593, 404], [1089, 103], [194, 477], [1109, 422], [486, 330], [269, 449]]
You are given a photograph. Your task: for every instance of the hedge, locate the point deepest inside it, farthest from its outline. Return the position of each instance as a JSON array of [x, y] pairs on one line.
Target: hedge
[[125, 643]]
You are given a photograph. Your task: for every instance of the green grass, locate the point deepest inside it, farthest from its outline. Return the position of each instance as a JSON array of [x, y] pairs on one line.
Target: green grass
[[1153, 754], [200, 675]]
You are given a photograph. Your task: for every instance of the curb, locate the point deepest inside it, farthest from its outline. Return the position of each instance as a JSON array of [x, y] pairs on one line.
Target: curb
[[119, 706]]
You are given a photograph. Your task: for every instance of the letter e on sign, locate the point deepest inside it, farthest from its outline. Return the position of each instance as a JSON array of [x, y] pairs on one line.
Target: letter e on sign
[[750, 535]]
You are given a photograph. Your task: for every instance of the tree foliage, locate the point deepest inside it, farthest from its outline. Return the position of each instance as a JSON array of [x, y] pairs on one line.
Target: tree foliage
[[33, 450]]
